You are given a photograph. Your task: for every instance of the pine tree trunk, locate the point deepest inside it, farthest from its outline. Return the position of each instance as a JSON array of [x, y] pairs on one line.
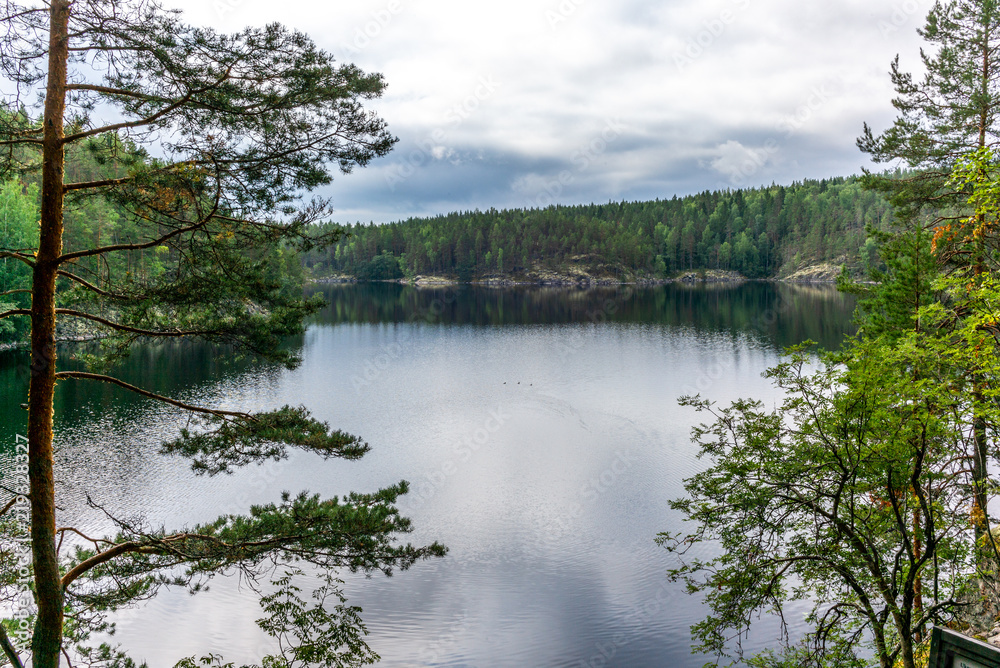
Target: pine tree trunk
[[47, 639], [979, 472]]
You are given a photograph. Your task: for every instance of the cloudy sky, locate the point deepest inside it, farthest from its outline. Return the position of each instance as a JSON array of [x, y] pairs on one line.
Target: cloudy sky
[[521, 103]]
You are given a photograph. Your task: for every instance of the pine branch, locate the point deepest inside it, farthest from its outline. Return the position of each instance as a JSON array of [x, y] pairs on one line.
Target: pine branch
[[82, 375], [124, 328]]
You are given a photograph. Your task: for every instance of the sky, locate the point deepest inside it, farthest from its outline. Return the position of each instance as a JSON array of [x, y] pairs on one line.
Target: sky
[[528, 103]]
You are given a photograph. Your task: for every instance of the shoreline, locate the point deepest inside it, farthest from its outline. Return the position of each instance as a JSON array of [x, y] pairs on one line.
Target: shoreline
[[436, 282]]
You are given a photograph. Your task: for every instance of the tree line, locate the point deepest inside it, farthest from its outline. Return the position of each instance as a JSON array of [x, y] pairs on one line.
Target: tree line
[[757, 232]]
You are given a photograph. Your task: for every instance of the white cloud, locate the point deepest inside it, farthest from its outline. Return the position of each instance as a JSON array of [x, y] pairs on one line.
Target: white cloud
[[756, 65]]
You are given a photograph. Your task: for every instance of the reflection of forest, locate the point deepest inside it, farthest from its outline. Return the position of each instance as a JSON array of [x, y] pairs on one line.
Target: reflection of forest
[[777, 314], [784, 314], [174, 368]]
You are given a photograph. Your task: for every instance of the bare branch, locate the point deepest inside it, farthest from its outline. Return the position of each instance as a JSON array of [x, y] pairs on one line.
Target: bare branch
[[27, 259], [125, 247], [9, 650], [83, 535], [96, 184], [128, 124], [90, 286], [100, 558], [116, 91], [10, 504]]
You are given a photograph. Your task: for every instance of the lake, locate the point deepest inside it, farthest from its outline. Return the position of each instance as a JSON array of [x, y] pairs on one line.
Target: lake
[[539, 428]]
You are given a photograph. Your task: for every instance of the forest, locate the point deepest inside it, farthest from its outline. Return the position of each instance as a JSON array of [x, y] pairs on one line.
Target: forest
[[99, 221], [859, 501], [757, 232]]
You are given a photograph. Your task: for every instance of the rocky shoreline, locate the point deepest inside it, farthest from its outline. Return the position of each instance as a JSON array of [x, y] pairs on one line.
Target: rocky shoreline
[[821, 274]]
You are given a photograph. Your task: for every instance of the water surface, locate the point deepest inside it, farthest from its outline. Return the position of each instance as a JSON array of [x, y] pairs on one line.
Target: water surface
[[540, 431]]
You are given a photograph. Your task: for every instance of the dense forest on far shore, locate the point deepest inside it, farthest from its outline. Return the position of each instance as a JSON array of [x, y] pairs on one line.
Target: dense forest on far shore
[[759, 232]]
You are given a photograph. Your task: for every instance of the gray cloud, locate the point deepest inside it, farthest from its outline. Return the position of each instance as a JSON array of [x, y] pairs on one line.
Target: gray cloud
[[509, 104]]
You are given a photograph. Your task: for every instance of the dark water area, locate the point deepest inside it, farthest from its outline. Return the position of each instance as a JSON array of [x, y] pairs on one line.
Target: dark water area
[[775, 310], [539, 428]]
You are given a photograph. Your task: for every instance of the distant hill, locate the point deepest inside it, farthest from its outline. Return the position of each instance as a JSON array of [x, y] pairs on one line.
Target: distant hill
[[759, 233]]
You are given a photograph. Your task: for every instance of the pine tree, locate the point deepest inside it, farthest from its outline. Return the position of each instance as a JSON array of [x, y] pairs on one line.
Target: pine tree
[[951, 113], [242, 125]]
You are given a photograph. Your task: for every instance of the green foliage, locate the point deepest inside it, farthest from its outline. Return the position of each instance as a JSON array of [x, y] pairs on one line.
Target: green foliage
[[846, 495], [864, 492], [383, 267], [314, 635], [200, 241], [238, 441], [803, 655], [755, 232], [18, 231], [307, 635]]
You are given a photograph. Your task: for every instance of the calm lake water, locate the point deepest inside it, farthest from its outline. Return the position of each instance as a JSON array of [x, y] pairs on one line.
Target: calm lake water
[[540, 431]]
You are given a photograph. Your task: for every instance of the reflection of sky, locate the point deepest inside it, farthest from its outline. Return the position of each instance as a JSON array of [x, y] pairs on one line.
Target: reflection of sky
[[550, 519], [543, 456]]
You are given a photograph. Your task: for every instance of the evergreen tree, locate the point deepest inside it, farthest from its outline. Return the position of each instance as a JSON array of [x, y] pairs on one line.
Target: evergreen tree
[[242, 124], [846, 496], [951, 113]]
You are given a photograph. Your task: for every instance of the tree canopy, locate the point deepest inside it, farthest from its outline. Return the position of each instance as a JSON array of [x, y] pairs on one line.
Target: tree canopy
[[867, 491], [197, 181], [757, 232]]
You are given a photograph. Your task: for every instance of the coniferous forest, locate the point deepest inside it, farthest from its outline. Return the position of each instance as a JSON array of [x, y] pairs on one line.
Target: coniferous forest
[[758, 232]]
